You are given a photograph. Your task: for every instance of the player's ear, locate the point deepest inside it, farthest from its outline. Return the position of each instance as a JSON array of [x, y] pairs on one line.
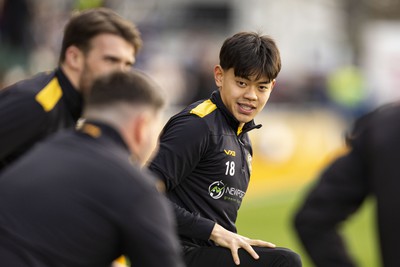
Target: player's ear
[[141, 133], [136, 133], [74, 58], [273, 84], [218, 75], [139, 129]]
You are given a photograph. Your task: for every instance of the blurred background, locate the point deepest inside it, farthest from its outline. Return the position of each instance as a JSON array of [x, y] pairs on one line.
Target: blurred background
[[340, 59]]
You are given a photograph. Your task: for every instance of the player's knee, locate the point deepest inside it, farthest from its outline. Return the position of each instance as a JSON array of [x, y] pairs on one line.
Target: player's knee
[[290, 258]]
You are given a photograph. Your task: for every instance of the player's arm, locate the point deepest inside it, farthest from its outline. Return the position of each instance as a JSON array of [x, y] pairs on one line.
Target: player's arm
[[339, 192], [147, 227], [22, 120], [182, 143]]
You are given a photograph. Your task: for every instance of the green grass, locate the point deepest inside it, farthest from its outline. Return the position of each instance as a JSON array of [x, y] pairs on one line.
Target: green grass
[[270, 218]]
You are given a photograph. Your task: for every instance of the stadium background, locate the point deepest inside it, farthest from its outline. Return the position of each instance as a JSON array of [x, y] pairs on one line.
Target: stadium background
[[340, 60]]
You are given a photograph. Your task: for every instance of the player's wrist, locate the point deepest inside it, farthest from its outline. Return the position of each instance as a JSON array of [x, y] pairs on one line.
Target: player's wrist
[[216, 232]]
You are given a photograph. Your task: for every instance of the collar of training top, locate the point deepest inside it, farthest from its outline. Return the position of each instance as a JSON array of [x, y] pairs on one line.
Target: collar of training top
[[72, 97], [97, 129], [233, 122]]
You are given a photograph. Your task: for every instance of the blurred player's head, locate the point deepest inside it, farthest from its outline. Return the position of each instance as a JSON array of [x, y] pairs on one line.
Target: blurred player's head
[[97, 41], [249, 64], [132, 103]]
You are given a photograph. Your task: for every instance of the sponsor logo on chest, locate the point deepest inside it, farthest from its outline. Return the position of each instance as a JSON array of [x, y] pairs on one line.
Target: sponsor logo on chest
[[219, 189]]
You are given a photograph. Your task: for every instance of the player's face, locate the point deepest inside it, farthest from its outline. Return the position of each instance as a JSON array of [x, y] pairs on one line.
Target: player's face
[[243, 97], [108, 52]]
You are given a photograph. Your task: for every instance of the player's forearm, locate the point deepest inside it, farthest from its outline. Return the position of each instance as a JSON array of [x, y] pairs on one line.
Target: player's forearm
[[192, 225]]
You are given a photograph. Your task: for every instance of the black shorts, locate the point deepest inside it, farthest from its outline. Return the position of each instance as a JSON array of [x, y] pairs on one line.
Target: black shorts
[[215, 256]]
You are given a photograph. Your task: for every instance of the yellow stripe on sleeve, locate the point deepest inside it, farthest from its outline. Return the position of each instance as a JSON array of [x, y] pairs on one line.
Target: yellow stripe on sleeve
[[49, 95], [204, 108]]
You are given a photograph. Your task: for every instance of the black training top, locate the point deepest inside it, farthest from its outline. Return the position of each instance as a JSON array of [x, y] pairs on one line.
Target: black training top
[[371, 168], [34, 108], [77, 200], [205, 161]]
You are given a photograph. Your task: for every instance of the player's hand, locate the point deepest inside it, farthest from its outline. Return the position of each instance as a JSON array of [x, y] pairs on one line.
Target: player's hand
[[228, 239]]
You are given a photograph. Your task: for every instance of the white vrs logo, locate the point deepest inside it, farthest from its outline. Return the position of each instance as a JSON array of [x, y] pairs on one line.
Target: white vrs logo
[[216, 189]]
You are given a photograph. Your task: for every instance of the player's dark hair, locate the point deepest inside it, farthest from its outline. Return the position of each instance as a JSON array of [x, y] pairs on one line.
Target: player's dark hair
[[85, 25], [251, 54], [132, 87]]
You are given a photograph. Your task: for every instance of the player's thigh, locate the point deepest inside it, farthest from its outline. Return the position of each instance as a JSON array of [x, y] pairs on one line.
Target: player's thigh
[[219, 256]]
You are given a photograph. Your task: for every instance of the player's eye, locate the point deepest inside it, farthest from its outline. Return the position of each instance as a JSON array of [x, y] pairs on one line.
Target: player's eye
[[241, 83], [112, 60]]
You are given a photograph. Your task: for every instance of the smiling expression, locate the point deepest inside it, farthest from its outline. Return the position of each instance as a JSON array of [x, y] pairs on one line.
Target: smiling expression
[[243, 97]]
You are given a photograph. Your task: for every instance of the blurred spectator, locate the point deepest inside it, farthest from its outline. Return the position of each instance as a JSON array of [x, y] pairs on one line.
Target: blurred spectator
[[15, 34], [346, 91]]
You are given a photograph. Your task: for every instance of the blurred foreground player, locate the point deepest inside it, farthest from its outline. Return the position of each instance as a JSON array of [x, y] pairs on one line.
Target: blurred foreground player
[[205, 157], [80, 199], [371, 168]]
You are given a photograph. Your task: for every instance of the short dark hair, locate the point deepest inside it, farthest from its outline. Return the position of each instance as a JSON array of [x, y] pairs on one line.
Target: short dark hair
[[85, 25], [133, 87], [251, 54]]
